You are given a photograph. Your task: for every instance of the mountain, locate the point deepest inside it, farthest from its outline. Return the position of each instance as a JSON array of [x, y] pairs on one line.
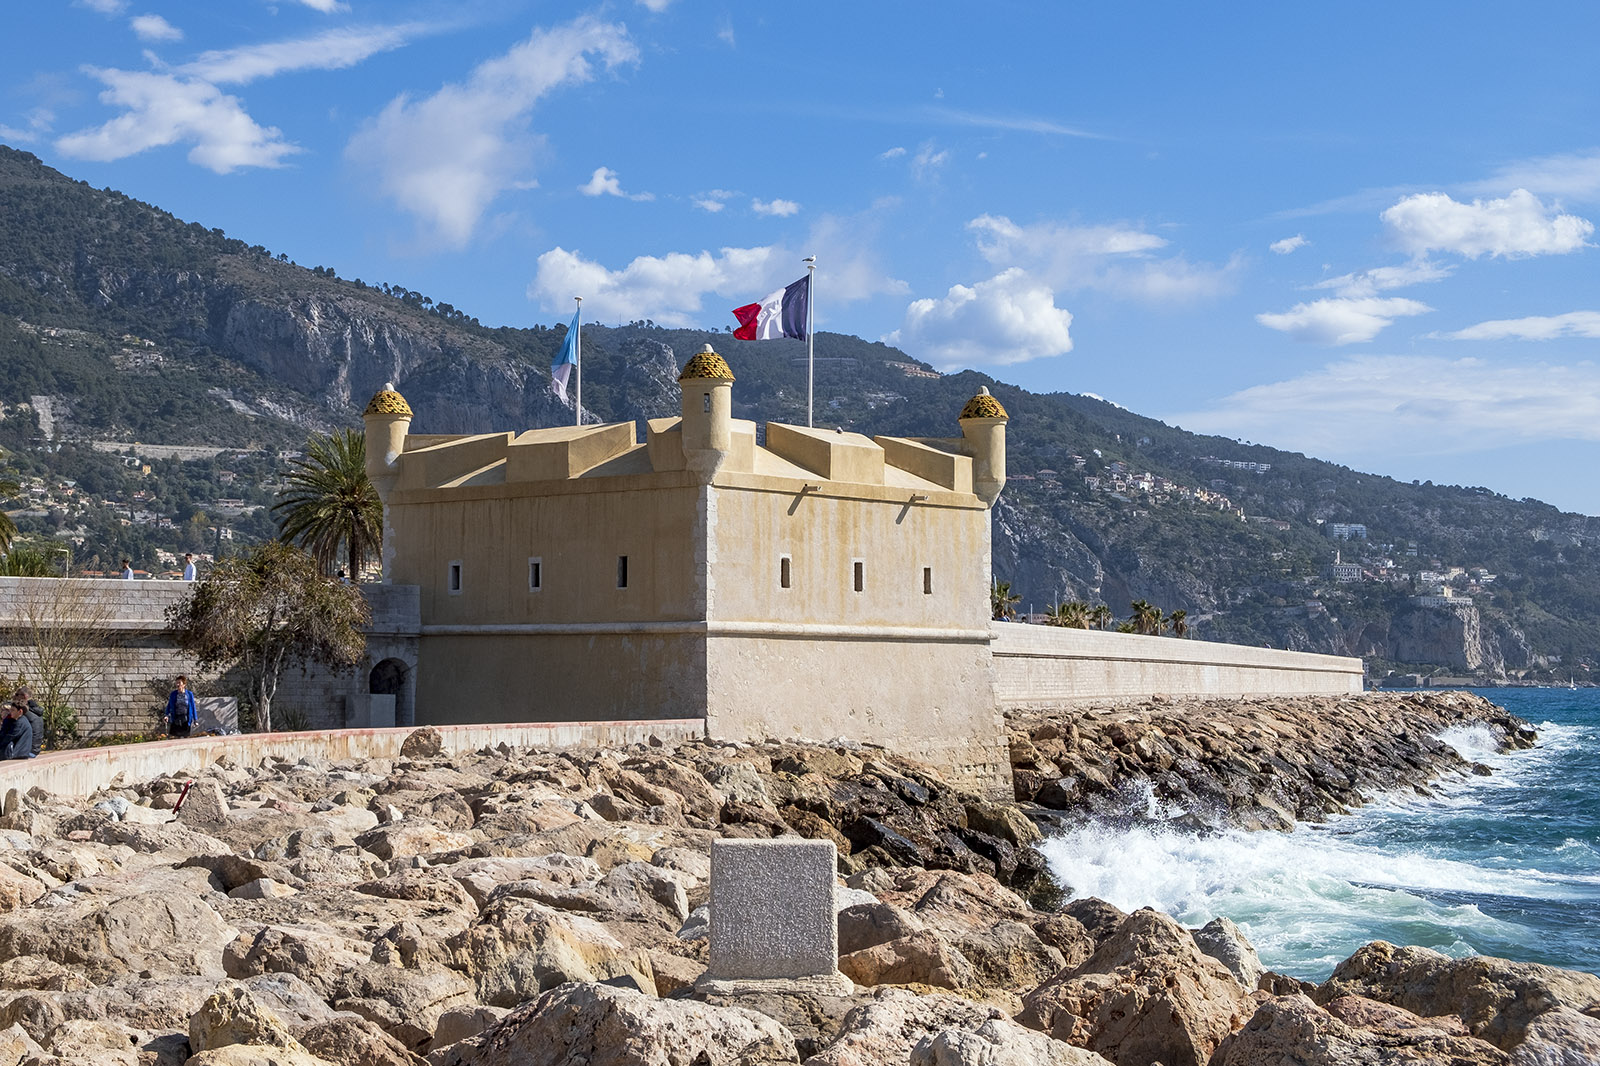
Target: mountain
[[122, 323]]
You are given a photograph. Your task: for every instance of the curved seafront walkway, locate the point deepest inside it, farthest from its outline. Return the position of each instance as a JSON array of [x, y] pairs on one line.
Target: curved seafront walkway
[[80, 771]]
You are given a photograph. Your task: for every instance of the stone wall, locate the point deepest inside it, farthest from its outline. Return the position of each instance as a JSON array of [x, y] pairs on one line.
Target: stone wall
[[1047, 666], [134, 661]]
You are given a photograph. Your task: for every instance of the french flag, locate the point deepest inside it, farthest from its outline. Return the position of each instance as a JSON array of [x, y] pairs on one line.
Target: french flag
[[783, 314]]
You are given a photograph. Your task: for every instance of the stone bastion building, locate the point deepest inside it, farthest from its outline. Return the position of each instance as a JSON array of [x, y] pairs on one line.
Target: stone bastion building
[[793, 583]]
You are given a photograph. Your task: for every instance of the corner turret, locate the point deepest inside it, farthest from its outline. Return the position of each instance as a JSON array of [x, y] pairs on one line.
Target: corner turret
[[983, 429], [707, 424], [387, 420]]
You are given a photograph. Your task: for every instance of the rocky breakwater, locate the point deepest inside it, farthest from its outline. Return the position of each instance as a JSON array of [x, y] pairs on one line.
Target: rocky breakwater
[[513, 906], [1251, 763]]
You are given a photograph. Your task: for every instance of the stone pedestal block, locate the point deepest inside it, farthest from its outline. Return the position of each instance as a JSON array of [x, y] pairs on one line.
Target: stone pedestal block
[[772, 911]]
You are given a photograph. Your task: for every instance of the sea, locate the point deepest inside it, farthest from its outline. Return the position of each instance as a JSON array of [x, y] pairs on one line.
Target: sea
[[1506, 865]]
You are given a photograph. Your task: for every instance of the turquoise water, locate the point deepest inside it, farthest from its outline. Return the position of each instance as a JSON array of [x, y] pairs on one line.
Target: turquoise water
[[1504, 865]]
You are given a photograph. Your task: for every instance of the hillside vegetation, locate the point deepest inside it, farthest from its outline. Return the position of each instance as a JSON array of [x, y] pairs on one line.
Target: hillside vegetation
[[134, 325]]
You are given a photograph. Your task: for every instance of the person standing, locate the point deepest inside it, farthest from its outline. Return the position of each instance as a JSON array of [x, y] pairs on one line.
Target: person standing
[[16, 735], [188, 566], [35, 716], [127, 569], [181, 711]]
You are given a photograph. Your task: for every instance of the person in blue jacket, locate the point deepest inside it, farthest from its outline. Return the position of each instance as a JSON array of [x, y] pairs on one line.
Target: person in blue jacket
[[181, 713], [16, 735]]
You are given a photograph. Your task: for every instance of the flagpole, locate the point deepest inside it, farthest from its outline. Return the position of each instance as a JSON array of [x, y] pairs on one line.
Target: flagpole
[[811, 359], [577, 367]]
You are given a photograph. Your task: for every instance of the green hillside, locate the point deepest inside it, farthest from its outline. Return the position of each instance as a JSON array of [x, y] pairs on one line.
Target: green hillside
[[137, 326]]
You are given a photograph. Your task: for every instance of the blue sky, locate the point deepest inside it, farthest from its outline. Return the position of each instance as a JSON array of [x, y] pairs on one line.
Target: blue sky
[[1362, 231]]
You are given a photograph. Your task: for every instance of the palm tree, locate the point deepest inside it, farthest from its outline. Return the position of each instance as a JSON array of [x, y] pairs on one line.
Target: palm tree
[[26, 562], [1003, 602], [1100, 615], [1178, 621], [330, 502], [1146, 618], [8, 528], [1072, 615]]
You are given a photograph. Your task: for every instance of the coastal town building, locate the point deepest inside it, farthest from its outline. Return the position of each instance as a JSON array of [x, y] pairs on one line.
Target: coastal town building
[[811, 582]]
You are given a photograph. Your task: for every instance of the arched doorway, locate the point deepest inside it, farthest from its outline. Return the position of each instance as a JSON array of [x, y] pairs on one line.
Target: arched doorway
[[390, 693]]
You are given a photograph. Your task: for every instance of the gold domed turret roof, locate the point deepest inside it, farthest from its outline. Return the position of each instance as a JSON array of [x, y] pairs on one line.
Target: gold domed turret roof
[[984, 406], [387, 402], [706, 364]]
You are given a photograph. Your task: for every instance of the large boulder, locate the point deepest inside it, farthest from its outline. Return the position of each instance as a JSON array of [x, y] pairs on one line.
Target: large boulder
[[604, 1026], [885, 1029], [1497, 998], [1560, 1037], [1226, 943], [232, 1016], [924, 958], [998, 1042], [159, 924], [353, 1041], [1292, 1029], [1147, 994], [405, 1003], [520, 948]]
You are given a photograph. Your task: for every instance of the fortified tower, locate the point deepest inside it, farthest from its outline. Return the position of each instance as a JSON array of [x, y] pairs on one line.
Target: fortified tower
[[983, 429], [707, 425], [387, 420]]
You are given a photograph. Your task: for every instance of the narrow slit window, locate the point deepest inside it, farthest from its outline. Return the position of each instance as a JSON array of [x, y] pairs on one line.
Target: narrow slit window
[[785, 575], [453, 580], [706, 399], [927, 581], [860, 575], [535, 575], [622, 571]]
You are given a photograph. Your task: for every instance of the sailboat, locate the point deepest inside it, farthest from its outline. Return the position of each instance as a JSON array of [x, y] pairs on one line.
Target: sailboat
[[1572, 683]]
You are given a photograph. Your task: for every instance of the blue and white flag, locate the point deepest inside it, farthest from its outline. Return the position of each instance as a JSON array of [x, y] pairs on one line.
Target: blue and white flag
[[566, 358]]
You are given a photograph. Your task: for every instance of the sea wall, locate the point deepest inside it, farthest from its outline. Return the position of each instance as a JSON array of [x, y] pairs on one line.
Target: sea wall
[[129, 661], [81, 771], [1051, 666]]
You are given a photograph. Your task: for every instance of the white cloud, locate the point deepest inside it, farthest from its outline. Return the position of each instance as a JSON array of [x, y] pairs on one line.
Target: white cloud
[[671, 289], [446, 157], [1514, 227], [1532, 328], [603, 182], [327, 7], [1289, 244], [154, 28], [105, 7], [1371, 282], [1574, 176], [1114, 258], [1341, 320], [927, 160], [655, 6], [185, 106], [893, 153], [1384, 406], [775, 208], [708, 204], [333, 50], [162, 109], [1010, 318], [39, 122], [726, 36]]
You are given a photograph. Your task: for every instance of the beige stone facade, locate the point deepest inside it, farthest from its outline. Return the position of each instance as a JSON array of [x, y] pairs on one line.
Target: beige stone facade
[[797, 583]]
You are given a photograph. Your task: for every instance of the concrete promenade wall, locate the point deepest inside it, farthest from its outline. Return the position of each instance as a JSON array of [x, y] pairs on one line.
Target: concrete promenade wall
[[1049, 666], [81, 771], [137, 661]]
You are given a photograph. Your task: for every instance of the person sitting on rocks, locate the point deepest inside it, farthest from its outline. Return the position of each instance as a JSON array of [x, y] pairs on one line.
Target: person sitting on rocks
[[35, 715], [181, 711], [16, 735]]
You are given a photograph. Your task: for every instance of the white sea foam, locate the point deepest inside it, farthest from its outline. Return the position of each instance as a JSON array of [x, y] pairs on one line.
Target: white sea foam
[[1472, 742]]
